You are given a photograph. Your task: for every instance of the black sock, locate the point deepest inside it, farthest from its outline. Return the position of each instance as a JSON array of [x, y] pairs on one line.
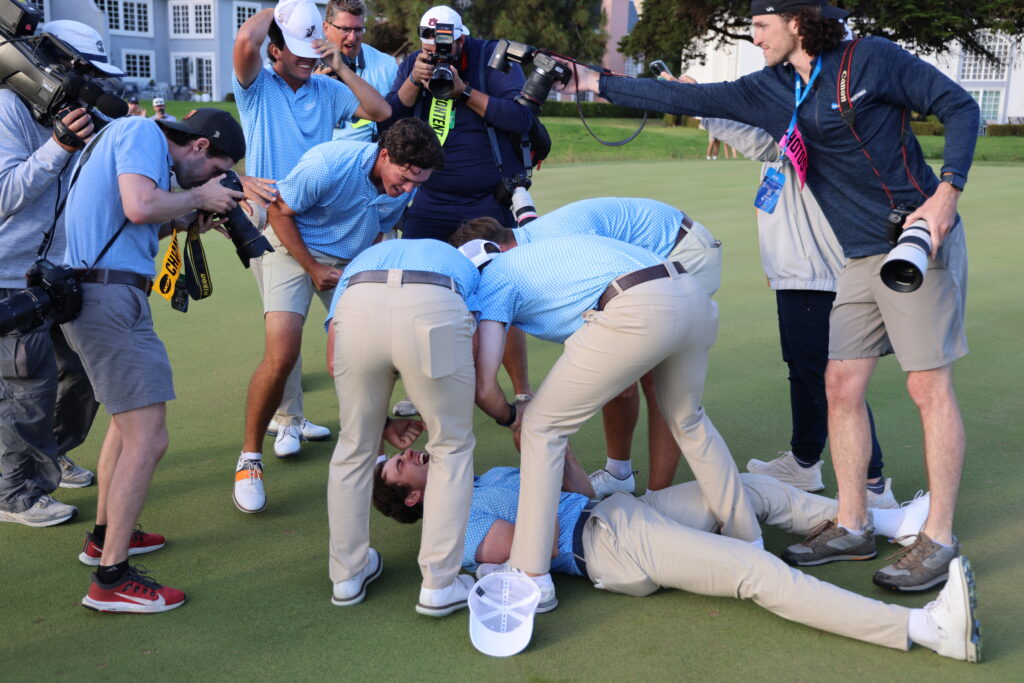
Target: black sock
[[113, 573], [99, 534], [877, 487], [804, 463]]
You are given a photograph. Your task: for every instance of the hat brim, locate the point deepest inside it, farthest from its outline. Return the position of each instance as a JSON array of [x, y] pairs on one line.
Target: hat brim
[[183, 126], [106, 67], [300, 48], [834, 12], [499, 644]]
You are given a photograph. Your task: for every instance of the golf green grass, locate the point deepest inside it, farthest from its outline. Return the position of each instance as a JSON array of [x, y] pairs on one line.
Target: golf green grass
[[258, 591]]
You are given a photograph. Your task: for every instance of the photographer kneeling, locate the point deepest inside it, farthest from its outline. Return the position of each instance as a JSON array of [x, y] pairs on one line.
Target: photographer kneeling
[[115, 243]]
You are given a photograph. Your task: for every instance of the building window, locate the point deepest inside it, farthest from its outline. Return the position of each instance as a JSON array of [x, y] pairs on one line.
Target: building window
[[138, 64], [128, 17], [244, 10], [194, 72], [989, 101], [978, 67], [191, 19]]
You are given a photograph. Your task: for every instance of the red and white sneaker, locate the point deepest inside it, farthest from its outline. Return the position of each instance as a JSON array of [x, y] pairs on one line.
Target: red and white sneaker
[[142, 542], [135, 592]]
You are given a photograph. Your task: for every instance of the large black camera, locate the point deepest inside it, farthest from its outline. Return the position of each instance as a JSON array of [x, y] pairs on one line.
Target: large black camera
[[52, 291], [442, 81], [249, 242], [48, 74], [543, 76]]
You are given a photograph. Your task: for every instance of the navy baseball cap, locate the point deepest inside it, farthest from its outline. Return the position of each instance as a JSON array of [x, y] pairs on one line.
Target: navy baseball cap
[[218, 126], [758, 7]]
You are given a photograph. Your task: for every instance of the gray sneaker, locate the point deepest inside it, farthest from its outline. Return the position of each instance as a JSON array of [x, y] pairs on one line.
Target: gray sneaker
[[71, 475], [47, 511], [918, 567], [829, 542]]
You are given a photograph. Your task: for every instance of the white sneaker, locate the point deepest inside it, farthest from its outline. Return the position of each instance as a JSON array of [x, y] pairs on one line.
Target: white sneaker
[[309, 431], [288, 441], [404, 408], [548, 599], [71, 475], [353, 591], [952, 614], [915, 514], [786, 469], [605, 484], [249, 496], [884, 500], [440, 602], [46, 511]]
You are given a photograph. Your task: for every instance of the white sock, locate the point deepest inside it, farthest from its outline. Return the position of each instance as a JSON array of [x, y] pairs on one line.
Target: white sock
[[620, 469], [855, 532], [887, 522], [543, 581], [650, 491], [758, 542], [921, 629], [252, 456]]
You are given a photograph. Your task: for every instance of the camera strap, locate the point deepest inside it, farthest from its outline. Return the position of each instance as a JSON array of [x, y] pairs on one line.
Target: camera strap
[[196, 282], [847, 113], [492, 137]]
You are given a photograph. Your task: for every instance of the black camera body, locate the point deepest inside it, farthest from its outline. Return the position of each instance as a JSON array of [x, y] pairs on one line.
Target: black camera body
[[53, 291], [895, 220], [249, 242], [442, 81], [543, 76]]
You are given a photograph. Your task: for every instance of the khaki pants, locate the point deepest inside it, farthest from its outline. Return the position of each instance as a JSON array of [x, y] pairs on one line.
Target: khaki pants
[[424, 333], [637, 545], [701, 255], [667, 325]]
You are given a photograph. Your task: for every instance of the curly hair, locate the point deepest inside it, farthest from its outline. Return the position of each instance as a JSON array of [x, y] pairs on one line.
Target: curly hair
[[389, 499], [483, 228], [411, 142], [817, 33]]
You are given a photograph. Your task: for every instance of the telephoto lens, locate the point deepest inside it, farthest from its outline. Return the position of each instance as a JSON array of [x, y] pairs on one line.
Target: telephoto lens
[[249, 242], [904, 268]]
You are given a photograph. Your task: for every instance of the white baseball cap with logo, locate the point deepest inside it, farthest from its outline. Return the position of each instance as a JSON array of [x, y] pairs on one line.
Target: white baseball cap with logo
[[300, 23], [441, 14], [501, 609], [85, 40], [480, 252], [158, 101]]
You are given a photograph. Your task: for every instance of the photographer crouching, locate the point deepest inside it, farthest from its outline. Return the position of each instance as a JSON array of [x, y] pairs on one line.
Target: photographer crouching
[[113, 243], [46, 401]]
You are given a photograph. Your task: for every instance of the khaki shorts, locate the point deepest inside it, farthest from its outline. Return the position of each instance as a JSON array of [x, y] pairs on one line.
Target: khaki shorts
[[286, 286], [925, 328], [701, 255], [124, 359]]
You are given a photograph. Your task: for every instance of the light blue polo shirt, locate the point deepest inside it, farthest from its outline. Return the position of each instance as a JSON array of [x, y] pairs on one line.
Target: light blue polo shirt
[[133, 144], [433, 256], [379, 70], [544, 288], [496, 496], [646, 223], [281, 125], [340, 210]]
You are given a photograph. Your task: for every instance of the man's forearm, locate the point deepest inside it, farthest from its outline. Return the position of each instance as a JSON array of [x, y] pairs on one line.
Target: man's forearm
[[33, 174], [371, 105], [287, 230], [491, 399], [408, 93], [156, 205]]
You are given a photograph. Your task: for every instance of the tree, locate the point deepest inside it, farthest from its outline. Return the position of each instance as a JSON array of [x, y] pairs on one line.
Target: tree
[[670, 28]]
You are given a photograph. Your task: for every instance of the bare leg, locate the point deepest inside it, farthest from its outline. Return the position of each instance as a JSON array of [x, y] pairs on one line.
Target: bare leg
[[620, 416], [664, 451], [283, 340], [849, 434], [109, 453], [515, 361]]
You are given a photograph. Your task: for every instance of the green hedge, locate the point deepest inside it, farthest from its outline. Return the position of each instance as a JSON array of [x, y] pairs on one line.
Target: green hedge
[[1003, 130], [597, 110], [673, 120], [927, 128]]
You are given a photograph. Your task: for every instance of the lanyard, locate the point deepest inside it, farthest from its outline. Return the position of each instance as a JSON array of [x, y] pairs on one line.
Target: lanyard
[[800, 94]]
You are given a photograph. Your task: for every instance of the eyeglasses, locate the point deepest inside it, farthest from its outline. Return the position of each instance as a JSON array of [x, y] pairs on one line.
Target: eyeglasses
[[348, 29], [426, 33]]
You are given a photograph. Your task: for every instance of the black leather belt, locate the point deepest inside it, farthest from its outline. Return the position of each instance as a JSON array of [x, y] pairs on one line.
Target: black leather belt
[[107, 276], [577, 537], [412, 277], [637, 277], [683, 229]]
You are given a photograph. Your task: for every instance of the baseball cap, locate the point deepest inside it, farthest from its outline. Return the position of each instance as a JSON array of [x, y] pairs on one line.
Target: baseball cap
[[218, 126], [441, 14], [501, 609], [85, 40], [158, 101], [758, 7], [300, 23], [477, 252]]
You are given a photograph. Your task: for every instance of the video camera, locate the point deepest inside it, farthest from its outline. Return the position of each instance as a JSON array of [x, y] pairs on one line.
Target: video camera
[[442, 81], [48, 74], [546, 71]]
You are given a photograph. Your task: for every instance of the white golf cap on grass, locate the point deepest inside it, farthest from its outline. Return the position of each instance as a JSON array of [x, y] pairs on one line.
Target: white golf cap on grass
[[501, 609]]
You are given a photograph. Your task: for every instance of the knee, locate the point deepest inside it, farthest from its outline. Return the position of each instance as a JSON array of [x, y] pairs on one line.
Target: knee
[[843, 387], [929, 388]]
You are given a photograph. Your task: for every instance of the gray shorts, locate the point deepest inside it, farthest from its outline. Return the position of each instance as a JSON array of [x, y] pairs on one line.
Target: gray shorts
[[925, 328], [124, 359], [285, 285]]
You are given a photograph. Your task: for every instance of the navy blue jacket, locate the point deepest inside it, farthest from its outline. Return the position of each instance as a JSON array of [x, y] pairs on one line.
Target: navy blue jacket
[[886, 81], [464, 188]]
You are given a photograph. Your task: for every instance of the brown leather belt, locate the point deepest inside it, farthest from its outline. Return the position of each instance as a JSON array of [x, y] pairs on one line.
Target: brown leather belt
[[683, 229], [637, 277], [412, 277], [107, 276]]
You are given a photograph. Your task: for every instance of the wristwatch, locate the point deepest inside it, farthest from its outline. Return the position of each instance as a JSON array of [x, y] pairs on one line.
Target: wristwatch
[[949, 177], [466, 93]]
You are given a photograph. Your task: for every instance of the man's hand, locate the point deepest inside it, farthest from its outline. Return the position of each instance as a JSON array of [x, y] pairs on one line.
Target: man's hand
[[584, 79], [403, 432], [939, 211], [324, 277], [79, 122], [421, 69], [208, 221], [259, 190], [458, 85], [330, 53], [213, 197]]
